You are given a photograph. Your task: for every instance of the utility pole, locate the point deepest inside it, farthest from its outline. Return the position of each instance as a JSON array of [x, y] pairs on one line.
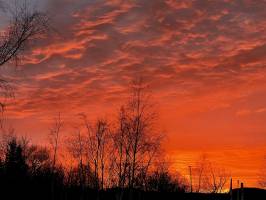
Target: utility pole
[[231, 189], [242, 191], [190, 174], [238, 188]]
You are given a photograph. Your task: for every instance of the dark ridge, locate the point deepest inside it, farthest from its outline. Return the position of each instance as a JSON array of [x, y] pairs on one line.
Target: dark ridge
[[250, 194]]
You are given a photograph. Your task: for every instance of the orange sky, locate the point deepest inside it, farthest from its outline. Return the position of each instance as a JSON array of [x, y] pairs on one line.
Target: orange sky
[[205, 62]]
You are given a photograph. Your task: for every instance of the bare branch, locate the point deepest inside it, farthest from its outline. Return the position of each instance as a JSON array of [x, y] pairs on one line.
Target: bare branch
[[54, 137], [25, 25]]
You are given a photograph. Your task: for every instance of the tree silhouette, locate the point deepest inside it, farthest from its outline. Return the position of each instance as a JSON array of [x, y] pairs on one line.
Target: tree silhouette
[[15, 168], [15, 161], [25, 25], [208, 176]]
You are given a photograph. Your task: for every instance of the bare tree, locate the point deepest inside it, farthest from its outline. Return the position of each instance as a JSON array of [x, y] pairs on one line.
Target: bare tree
[[54, 137], [89, 146], [54, 142], [217, 179], [77, 147], [102, 134], [262, 174], [121, 148], [262, 182], [135, 140], [140, 118], [25, 25], [209, 177], [97, 148], [199, 172]]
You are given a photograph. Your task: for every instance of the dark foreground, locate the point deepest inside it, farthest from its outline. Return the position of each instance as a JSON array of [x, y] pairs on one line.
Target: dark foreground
[[76, 194], [31, 176]]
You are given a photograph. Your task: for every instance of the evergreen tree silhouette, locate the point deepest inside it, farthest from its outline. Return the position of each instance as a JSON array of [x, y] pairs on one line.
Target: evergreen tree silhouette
[[15, 170]]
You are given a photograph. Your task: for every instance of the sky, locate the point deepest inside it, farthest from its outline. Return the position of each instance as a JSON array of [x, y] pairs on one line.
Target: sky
[[204, 61]]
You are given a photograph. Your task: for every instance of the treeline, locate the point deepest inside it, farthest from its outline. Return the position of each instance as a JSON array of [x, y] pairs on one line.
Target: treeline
[[27, 171], [104, 160]]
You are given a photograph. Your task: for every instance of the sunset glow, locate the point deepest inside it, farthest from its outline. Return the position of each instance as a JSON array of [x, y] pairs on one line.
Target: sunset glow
[[204, 62]]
